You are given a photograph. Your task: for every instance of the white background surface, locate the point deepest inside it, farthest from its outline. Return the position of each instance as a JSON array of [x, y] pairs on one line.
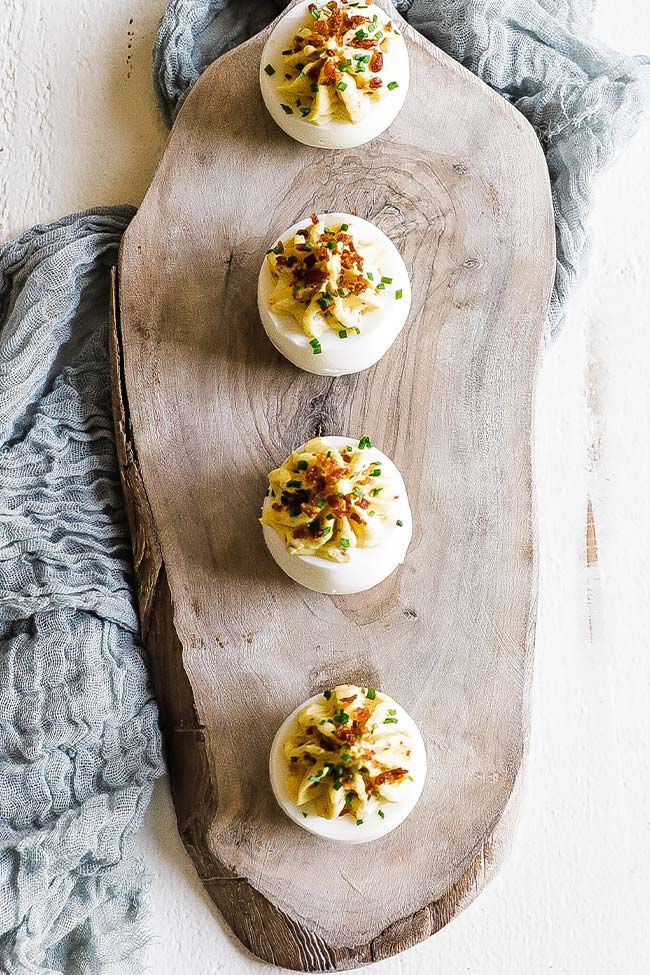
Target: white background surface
[[78, 128]]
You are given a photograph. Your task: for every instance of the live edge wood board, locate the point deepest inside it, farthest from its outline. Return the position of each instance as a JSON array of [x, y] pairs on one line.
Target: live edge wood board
[[205, 407]]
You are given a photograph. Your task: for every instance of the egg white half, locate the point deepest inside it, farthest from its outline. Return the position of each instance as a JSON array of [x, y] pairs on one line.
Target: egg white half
[[368, 566], [379, 329], [344, 829], [337, 134]]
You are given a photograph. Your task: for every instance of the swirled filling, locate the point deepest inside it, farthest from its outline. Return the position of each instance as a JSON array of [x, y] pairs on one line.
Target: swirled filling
[[325, 278], [349, 753], [329, 501], [333, 67]]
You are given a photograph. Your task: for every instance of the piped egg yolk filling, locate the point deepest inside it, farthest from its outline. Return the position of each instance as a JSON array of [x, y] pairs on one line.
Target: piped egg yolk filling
[[329, 502], [332, 69], [348, 754], [325, 279]]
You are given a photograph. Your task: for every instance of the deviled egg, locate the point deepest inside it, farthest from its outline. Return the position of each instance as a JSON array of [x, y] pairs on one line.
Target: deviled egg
[[336, 517], [333, 294], [334, 75], [348, 765]]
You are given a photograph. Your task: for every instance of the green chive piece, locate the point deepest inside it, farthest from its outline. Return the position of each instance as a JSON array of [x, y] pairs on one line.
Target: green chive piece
[[357, 492], [332, 244], [338, 784], [399, 523], [269, 69], [391, 85], [392, 711], [359, 822], [375, 473], [345, 226], [342, 85], [294, 483], [315, 13], [343, 292], [370, 276], [345, 543], [380, 813], [399, 293], [386, 280], [313, 87], [326, 531], [314, 343], [288, 51], [294, 758], [287, 109], [305, 815], [364, 442], [361, 33], [371, 693], [343, 334], [390, 720], [376, 491], [302, 465], [321, 503], [327, 695]]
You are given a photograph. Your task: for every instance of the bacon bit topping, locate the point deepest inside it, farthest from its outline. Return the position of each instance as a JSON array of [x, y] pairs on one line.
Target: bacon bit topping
[[329, 51], [391, 776], [376, 83]]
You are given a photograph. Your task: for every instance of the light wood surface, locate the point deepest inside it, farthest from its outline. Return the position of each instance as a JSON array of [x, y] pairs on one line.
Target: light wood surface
[[206, 407]]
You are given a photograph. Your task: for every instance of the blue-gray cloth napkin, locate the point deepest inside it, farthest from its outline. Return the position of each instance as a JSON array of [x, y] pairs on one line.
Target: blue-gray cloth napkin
[[79, 741]]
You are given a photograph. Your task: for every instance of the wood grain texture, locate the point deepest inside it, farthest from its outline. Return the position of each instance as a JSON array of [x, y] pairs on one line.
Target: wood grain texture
[[205, 407]]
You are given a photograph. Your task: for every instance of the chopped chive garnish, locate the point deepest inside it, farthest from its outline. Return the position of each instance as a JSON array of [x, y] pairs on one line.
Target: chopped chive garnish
[[308, 246], [294, 758], [288, 77], [326, 531], [392, 711], [399, 523], [358, 331], [338, 784], [364, 442], [371, 693], [345, 226], [329, 453], [357, 492], [342, 85], [269, 69], [305, 815], [375, 492], [327, 695], [287, 109], [360, 33], [294, 483], [386, 280], [329, 517], [288, 51], [302, 465], [313, 87], [349, 448], [345, 543], [343, 292], [390, 720], [332, 245], [380, 813], [370, 276], [380, 287], [314, 343], [375, 473], [327, 230], [399, 293], [345, 758], [323, 721], [315, 13], [321, 503], [391, 85], [343, 334], [359, 822], [304, 111]]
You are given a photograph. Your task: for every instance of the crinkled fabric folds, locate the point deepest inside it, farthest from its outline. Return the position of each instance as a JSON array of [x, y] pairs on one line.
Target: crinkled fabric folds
[[79, 740], [582, 99]]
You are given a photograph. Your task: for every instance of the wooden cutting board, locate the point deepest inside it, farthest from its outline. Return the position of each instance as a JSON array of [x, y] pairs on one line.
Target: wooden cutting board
[[205, 407]]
